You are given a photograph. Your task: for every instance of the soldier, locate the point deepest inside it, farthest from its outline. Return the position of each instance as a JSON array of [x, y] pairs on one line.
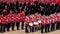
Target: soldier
[[27, 30], [18, 17], [23, 19], [58, 22], [8, 18], [13, 21], [47, 24], [38, 1], [36, 20], [53, 23], [3, 22], [31, 2], [50, 21], [31, 23], [42, 24], [39, 21]]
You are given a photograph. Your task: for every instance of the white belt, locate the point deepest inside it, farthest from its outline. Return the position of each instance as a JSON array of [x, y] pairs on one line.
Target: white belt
[[36, 23], [39, 21], [31, 24]]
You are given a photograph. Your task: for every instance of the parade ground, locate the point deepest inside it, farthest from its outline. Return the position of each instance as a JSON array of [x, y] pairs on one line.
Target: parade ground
[[23, 32]]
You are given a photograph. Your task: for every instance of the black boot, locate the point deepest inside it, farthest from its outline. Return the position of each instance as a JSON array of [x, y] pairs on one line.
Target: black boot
[[22, 26], [18, 25]]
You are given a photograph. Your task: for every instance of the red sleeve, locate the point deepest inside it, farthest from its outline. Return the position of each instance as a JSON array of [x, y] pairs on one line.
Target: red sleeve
[[19, 1], [23, 16], [38, 1], [14, 1], [42, 1], [43, 21], [51, 2], [26, 21], [26, 2], [46, 2], [3, 21], [24, 10], [35, 1], [23, 1], [59, 19], [31, 2], [18, 18], [57, 1]]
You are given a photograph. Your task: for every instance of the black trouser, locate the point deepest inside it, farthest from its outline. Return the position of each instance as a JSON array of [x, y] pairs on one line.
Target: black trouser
[[17, 25], [39, 27], [47, 27], [31, 29], [3, 26], [8, 26], [0, 27], [53, 27], [42, 28], [26, 28], [22, 25], [12, 25], [58, 25]]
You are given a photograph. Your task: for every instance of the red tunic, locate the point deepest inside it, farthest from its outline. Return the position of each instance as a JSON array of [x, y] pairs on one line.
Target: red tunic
[[50, 20], [58, 1], [47, 20], [18, 18], [31, 2], [42, 20], [38, 1], [46, 1], [53, 19], [42, 1], [23, 1], [26, 2], [58, 17], [27, 20], [35, 1], [23, 16], [9, 18], [51, 2], [31, 19], [13, 18], [14, 1], [19, 1], [2, 20], [8, 2]]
